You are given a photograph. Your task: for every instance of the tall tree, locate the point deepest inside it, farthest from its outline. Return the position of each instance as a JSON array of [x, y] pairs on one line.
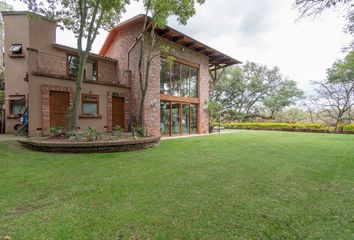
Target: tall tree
[[332, 103], [342, 70], [254, 91], [315, 8], [156, 14], [3, 7], [333, 98], [85, 18]]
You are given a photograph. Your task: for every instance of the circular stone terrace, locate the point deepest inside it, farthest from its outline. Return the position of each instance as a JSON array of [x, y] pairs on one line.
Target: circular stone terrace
[[119, 145]]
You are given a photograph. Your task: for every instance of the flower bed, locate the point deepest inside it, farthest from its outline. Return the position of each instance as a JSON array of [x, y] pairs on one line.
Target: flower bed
[[119, 145]]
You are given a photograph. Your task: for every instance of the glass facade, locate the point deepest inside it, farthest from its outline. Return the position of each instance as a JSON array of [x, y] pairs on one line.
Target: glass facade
[[165, 118], [178, 79], [178, 118]]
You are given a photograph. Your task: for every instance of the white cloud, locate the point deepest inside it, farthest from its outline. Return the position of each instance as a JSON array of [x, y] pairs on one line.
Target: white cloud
[[262, 31]]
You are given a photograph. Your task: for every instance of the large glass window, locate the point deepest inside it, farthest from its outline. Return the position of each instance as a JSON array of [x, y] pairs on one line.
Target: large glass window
[[185, 80], [178, 79], [193, 83], [193, 118], [185, 118], [165, 77], [165, 119], [178, 118]]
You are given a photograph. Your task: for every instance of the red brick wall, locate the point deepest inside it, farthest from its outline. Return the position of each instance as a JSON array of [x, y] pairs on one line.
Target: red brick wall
[[123, 41], [107, 71]]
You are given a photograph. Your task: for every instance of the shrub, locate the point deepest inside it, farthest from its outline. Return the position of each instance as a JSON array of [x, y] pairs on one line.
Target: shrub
[[56, 131], [92, 134], [74, 135], [140, 132], [348, 128], [280, 127], [117, 131]]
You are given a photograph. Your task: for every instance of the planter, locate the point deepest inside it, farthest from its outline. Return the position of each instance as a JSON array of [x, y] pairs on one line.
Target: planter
[[91, 147]]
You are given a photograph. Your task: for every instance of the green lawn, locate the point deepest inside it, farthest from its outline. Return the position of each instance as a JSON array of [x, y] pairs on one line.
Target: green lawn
[[246, 185]]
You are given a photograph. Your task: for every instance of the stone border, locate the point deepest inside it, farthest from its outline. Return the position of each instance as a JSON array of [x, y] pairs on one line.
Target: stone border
[[91, 147]]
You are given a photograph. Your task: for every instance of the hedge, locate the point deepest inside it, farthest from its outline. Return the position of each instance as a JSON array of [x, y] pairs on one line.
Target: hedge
[[348, 128], [296, 127]]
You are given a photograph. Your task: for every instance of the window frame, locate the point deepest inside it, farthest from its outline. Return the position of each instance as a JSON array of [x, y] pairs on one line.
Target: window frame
[[83, 101], [13, 46], [11, 102], [94, 63], [181, 105], [171, 78]]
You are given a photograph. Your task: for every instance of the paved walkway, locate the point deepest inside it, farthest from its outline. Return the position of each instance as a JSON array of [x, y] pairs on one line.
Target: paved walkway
[[200, 135], [10, 137]]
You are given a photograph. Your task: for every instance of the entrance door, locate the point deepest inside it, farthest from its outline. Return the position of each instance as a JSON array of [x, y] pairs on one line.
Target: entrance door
[[59, 104], [118, 112]]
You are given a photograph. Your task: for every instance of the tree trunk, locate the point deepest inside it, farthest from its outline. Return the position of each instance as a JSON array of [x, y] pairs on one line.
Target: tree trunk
[[74, 109], [141, 119]]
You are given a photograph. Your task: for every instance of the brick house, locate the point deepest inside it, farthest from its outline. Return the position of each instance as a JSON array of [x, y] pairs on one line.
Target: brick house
[[40, 76]]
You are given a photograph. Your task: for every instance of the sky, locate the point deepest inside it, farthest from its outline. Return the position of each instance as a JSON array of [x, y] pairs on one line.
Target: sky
[[262, 31]]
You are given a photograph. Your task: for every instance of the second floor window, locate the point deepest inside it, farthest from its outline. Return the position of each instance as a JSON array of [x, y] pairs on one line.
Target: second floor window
[[16, 49], [178, 79], [73, 65], [90, 68]]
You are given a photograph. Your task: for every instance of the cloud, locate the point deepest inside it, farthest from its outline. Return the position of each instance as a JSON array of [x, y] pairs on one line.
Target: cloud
[[263, 31]]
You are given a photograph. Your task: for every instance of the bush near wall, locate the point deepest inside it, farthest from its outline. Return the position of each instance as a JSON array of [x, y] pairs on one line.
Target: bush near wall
[[296, 127]]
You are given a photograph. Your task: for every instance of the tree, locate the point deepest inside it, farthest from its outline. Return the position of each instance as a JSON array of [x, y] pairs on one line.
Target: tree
[[159, 11], [342, 70], [332, 103], [3, 7], [293, 115], [254, 91], [85, 18], [315, 8]]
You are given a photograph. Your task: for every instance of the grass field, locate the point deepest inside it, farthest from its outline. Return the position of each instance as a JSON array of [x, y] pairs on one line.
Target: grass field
[[246, 185]]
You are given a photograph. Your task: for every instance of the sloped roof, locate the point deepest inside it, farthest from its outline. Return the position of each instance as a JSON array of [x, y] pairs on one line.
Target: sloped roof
[[216, 58]]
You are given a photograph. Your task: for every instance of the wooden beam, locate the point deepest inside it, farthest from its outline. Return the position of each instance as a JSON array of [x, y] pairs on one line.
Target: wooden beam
[[221, 60], [215, 76], [165, 32], [200, 49], [188, 45], [161, 32], [177, 38]]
